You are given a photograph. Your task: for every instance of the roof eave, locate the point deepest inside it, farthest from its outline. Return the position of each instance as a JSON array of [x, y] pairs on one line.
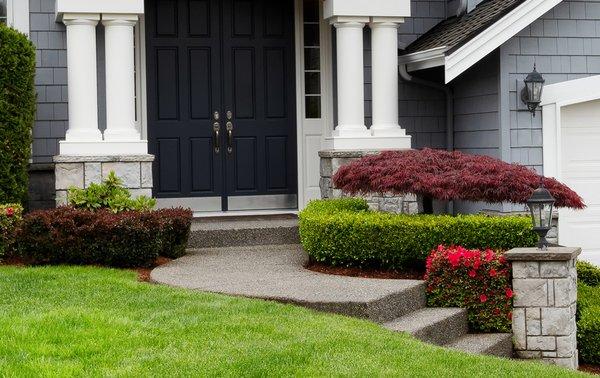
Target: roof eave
[[457, 60]]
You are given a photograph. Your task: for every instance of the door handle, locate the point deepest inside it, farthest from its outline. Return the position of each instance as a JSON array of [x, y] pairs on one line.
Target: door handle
[[229, 127], [216, 140]]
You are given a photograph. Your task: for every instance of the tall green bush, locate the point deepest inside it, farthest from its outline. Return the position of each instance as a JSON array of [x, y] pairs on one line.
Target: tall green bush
[[344, 232], [17, 112]]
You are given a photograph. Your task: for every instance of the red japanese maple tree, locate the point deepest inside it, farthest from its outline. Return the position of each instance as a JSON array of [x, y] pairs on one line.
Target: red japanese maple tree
[[446, 175]]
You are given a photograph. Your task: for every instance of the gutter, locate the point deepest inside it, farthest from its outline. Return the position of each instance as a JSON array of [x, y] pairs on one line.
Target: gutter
[[449, 101], [449, 110]]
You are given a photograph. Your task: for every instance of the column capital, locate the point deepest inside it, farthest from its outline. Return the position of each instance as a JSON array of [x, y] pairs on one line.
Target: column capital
[[340, 22], [90, 19], [393, 22], [119, 19]]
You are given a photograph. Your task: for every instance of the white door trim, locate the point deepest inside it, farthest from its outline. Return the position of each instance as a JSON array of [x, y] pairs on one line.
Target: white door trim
[[555, 97]]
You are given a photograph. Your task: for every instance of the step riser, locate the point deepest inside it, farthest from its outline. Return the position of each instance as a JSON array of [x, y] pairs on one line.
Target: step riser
[[397, 305], [499, 344], [243, 237], [501, 349], [444, 331]]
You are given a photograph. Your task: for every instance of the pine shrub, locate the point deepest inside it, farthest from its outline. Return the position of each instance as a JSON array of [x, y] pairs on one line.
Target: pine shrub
[[17, 113]]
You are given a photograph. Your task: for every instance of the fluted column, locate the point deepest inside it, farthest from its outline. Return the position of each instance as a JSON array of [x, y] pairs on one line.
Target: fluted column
[[384, 50], [350, 77], [82, 82], [120, 78]]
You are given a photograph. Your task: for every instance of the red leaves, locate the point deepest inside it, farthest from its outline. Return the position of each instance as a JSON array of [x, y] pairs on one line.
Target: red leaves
[[448, 176], [474, 279]]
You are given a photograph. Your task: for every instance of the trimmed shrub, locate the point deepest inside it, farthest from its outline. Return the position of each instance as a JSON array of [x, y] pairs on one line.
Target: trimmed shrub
[[174, 226], [343, 232], [588, 273], [476, 280], [588, 323], [17, 113], [110, 194], [68, 235], [10, 216]]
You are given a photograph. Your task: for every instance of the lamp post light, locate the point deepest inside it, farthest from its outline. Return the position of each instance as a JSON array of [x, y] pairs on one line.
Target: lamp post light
[[540, 204], [532, 93]]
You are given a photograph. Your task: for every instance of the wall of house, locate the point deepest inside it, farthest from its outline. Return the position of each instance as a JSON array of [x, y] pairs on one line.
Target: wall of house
[[565, 45]]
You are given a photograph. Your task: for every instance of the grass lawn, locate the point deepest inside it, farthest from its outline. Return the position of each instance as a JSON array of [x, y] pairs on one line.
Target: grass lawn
[[73, 321]]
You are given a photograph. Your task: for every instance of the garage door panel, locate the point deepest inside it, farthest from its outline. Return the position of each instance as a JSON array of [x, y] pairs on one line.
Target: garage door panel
[[580, 170]]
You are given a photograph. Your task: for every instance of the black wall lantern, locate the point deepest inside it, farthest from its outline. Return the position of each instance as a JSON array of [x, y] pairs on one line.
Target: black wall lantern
[[540, 204], [532, 93]]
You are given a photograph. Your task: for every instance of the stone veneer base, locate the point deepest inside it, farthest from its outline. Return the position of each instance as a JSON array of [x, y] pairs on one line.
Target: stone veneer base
[[81, 171], [332, 160]]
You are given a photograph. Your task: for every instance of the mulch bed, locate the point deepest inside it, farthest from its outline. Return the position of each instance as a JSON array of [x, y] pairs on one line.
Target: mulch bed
[[143, 273], [365, 273], [592, 369]]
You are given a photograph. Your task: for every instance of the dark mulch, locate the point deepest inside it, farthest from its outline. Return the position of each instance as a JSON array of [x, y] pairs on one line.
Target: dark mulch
[[365, 273], [592, 369], [143, 273]]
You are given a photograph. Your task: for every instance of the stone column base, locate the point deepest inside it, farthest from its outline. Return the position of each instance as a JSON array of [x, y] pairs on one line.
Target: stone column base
[[332, 160], [80, 171]]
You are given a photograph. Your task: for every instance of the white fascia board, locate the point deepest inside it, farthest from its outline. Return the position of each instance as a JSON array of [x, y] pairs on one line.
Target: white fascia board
[[362, 8], [18, 15], [494, 36], [572, 92], [424, 59], [99, 6]]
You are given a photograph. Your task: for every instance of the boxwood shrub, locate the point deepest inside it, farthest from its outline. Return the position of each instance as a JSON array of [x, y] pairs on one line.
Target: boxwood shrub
[[588, 273], [345, 232], [68, 235], [17, 112], [588, 313]]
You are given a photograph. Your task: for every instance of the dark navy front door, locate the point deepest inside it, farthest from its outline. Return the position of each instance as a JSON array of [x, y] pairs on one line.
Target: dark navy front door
[[221, 103]]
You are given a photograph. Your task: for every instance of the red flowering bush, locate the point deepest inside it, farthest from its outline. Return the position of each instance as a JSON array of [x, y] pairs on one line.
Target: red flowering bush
[[473, 279], [446, 175]]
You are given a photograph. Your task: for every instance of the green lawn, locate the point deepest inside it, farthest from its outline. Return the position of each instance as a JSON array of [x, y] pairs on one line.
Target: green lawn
[[97, 322]]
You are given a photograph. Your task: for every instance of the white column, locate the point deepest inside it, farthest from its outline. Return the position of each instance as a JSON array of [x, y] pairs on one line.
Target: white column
[[384, 45], [120, 78], [82, 82], [350, 77]]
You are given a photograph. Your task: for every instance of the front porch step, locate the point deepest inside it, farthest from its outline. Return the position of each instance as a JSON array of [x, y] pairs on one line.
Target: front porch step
[[240, 231], [492, 344], [438, 326]]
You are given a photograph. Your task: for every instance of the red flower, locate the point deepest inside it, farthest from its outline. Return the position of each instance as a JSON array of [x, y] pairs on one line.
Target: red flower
[[483, 298], [10, 212], [496, 311], [493, 272], [489, 255], [472, 273], [509, 293]]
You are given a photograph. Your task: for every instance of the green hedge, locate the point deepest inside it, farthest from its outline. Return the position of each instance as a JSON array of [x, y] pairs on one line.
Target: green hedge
[[17, 112], [588, 323], [588, 273], [344, 232]]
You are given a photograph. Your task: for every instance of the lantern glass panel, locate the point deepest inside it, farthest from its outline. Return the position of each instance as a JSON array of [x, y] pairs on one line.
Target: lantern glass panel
[[537, 91], [541, 214]]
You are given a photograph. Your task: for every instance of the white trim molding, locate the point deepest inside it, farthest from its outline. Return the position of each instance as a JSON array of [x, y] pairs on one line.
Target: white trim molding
[[458, 61], [555, 97], [98, 6], [362, 8], [17, 15]]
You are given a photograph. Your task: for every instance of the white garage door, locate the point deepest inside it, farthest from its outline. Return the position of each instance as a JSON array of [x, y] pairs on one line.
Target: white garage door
[[580, 170]]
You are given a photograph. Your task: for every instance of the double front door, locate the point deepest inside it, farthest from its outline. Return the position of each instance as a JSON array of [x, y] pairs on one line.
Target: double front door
[[221, 103]]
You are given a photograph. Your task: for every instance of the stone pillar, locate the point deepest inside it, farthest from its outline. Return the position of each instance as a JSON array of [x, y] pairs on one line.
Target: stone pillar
[[332, 160], [545, 302], [83, 86], [350, 77], [120, 78], [82, 171], [384, 63]]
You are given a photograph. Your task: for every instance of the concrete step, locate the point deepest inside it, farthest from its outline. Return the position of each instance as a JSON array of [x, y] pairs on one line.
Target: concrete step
[[492, 344], [438, 326], [244, 231]]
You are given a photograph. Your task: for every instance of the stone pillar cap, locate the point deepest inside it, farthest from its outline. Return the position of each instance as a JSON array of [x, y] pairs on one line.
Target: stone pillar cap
[[534, 254]]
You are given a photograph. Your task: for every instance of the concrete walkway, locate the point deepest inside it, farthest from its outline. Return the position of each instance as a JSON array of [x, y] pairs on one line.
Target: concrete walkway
[[277, 273]]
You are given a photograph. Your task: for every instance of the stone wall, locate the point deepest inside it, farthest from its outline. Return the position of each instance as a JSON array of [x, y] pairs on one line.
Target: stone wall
[[81, 171], [332, 160], [545, 288]]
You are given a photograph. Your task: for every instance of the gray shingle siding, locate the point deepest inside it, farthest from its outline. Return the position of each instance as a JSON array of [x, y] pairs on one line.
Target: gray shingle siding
[[565, 45], [51, 79]]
